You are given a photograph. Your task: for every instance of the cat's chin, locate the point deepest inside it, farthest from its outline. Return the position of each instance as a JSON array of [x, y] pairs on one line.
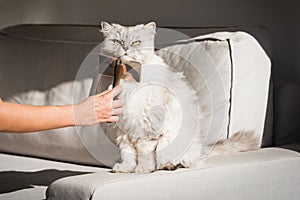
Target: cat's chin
[[126, 58]]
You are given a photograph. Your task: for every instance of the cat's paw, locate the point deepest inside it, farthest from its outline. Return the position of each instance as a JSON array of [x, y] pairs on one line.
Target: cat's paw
[[189, 162], [144, 169], [165, 163], [123, 168], [166, 166]]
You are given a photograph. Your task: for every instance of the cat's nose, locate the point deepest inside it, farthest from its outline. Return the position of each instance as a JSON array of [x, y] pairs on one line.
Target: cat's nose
[[125, 48]]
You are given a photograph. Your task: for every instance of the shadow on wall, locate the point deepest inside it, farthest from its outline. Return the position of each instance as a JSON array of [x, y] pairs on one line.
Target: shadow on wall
[[32, 60], [11, 181]]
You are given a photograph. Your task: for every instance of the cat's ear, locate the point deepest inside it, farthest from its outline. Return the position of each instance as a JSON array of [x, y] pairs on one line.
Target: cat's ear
[[105, 27], [151, 26]]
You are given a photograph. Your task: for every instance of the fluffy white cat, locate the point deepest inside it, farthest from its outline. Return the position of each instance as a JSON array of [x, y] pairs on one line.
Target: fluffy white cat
[[153, 112]]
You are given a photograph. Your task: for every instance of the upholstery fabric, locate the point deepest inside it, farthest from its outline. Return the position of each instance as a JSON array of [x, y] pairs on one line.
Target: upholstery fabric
[[269, 173], [230, 73], [50, 80], [28, 178]]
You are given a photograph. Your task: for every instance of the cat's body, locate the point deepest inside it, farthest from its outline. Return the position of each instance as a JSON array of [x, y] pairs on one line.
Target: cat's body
[[151, 118], [153, 112]]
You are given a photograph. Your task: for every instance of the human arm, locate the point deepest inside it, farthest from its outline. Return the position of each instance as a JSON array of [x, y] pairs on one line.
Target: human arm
[[20, 118]]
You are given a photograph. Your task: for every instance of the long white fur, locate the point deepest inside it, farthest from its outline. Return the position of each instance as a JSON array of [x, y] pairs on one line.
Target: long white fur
[[143, 131]]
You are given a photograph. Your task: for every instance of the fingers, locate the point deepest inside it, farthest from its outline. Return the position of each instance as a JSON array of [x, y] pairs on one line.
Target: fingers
[[118, 103], [117, 90], [117, 106], [113, 119], [107, 109], [104, 92], [110, 119], [129, 77], [117, 111], [107, 113]]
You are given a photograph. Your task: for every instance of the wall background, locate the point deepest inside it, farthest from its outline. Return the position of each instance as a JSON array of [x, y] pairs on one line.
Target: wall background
[[281, 17]]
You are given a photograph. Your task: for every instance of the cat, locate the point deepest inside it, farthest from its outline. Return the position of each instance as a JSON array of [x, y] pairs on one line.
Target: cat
[[151, 114]]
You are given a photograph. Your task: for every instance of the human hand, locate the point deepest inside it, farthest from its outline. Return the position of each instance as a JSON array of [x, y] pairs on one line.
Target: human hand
[[128, 77], [99, 108]]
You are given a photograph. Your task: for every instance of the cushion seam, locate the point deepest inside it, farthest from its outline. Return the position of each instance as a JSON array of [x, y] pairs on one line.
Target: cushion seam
[[231, 87]]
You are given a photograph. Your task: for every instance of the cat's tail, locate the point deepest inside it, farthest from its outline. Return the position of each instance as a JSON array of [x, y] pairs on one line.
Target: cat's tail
[[239, 142]]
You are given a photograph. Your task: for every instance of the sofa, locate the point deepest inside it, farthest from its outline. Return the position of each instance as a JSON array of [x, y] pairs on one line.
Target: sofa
[[38, 63]]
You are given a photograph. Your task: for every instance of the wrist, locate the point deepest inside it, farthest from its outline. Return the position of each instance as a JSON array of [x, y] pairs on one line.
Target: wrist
[[67, 115]]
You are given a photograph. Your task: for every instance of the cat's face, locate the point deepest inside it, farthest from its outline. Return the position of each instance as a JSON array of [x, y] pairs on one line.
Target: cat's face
[[128, 43]]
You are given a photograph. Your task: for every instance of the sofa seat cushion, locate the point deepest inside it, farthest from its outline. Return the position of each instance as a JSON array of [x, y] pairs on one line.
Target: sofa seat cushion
[[28, 178], [269, 173]]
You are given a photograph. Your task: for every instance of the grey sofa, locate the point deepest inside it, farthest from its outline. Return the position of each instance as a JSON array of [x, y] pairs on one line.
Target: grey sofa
[[37, 166]]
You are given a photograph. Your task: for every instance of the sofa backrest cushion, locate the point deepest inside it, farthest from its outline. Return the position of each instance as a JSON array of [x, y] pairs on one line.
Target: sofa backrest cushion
[[39, 62]]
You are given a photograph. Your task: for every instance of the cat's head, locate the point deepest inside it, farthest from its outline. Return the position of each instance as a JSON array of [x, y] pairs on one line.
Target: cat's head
[[132, 43]]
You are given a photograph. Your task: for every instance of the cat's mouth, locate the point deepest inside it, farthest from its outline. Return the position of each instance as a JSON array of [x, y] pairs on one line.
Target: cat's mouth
[[127, 58]]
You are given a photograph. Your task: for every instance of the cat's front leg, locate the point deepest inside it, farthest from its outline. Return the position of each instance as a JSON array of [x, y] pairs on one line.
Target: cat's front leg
[[128, 156], [146, 155], [192, 157], [163, 159]]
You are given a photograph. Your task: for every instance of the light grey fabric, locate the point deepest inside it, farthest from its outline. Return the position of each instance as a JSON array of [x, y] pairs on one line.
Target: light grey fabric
[[269, 173], [34, 193], [38, 57], [225, 69], [42, 72], [47, 56], [273, 173], [206, 67], [88, 145], [250, 75], [28, 178]]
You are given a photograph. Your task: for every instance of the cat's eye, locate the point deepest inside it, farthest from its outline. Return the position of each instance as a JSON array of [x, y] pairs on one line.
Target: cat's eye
[[136, 43], [117, 42]]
